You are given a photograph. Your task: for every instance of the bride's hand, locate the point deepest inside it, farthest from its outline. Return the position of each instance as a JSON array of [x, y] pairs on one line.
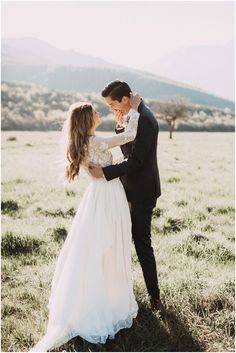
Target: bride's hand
[[119, 117], [135, 100]]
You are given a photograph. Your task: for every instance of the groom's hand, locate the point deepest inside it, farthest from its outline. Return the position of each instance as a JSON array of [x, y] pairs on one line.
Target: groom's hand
[[96, 171]]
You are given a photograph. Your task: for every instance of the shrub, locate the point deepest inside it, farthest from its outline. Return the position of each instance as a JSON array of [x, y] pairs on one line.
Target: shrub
[[9, 206], [174, 225], [199, 237], [70, 193], [181, 203], [58, 212], [14, 244], [12, 138], [221, 210], [157, 212], [59, 233], [201, 216], [211, 251], [173, 180]]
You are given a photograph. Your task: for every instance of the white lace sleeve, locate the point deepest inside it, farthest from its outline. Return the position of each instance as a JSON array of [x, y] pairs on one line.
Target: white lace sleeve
[[124, 137]]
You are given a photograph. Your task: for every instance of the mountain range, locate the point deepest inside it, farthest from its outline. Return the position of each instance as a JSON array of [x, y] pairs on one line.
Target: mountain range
[[211, 67], [35, 61]]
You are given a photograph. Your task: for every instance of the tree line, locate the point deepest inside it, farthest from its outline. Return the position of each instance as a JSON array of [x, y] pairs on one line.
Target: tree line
[[33, 107]]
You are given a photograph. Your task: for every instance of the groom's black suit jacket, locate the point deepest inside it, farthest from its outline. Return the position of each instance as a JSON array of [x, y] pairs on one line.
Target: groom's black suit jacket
[[139, 173]]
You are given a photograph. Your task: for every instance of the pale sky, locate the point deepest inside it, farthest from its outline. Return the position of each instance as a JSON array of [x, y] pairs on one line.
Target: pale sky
[[126, 33]]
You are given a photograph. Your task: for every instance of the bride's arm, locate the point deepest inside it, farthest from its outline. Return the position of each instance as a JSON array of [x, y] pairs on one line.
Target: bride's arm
[[124, 137], [129, 133]]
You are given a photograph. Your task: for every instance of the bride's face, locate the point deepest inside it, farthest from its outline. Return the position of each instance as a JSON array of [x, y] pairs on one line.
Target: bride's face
[[96, 118]]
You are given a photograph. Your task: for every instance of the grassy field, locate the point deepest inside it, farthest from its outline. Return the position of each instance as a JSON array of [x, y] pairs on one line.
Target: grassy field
[[193, 239]]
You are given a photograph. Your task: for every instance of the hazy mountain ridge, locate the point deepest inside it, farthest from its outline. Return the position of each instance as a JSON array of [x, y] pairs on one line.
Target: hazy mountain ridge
[[48, 54], [212, 67], [30, 60], [14, 49]]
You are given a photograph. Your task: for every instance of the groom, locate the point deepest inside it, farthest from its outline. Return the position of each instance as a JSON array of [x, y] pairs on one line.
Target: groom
[[140, 177]]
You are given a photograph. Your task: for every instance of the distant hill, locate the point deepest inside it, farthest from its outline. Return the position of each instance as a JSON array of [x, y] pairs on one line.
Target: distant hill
[[34, 61]]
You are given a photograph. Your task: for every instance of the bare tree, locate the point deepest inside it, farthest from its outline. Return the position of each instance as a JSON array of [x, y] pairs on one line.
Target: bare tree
[[172, 110]]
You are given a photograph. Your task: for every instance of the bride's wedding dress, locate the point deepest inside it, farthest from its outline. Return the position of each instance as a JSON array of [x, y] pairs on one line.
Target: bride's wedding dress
[[92, 292]]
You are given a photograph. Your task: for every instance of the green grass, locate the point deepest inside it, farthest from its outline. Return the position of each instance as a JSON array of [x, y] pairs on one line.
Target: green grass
[[192, 236]]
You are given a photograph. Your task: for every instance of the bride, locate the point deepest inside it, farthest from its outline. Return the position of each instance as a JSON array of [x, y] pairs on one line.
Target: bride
[[91, 293]]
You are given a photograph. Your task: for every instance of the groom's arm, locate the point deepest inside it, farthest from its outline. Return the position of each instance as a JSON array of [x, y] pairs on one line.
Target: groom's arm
[[139, 155]]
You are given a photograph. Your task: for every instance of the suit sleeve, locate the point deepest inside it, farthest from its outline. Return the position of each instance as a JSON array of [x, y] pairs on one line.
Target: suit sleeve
[[140, 154], [127, 149]]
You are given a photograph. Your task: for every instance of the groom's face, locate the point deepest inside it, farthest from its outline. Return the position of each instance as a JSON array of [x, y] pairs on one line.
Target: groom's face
[[115, 105]]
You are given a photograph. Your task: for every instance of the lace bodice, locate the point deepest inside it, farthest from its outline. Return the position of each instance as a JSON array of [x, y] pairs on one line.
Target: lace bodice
[[99, 147]]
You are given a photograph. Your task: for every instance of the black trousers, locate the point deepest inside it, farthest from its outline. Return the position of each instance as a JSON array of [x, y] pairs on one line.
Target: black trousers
[[141, 216]]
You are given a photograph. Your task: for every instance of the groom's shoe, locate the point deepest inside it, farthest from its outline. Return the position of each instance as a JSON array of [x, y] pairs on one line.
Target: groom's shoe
[[156, 304]]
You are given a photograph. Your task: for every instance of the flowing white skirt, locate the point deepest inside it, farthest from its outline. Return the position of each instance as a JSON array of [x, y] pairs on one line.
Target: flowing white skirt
[[92, 292]]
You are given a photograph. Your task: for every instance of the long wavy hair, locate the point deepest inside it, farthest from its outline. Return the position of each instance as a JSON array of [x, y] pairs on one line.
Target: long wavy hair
[[78, 125]]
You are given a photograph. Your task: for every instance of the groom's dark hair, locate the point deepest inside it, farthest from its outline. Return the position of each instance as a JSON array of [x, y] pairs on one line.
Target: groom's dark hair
[[116, 90]]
